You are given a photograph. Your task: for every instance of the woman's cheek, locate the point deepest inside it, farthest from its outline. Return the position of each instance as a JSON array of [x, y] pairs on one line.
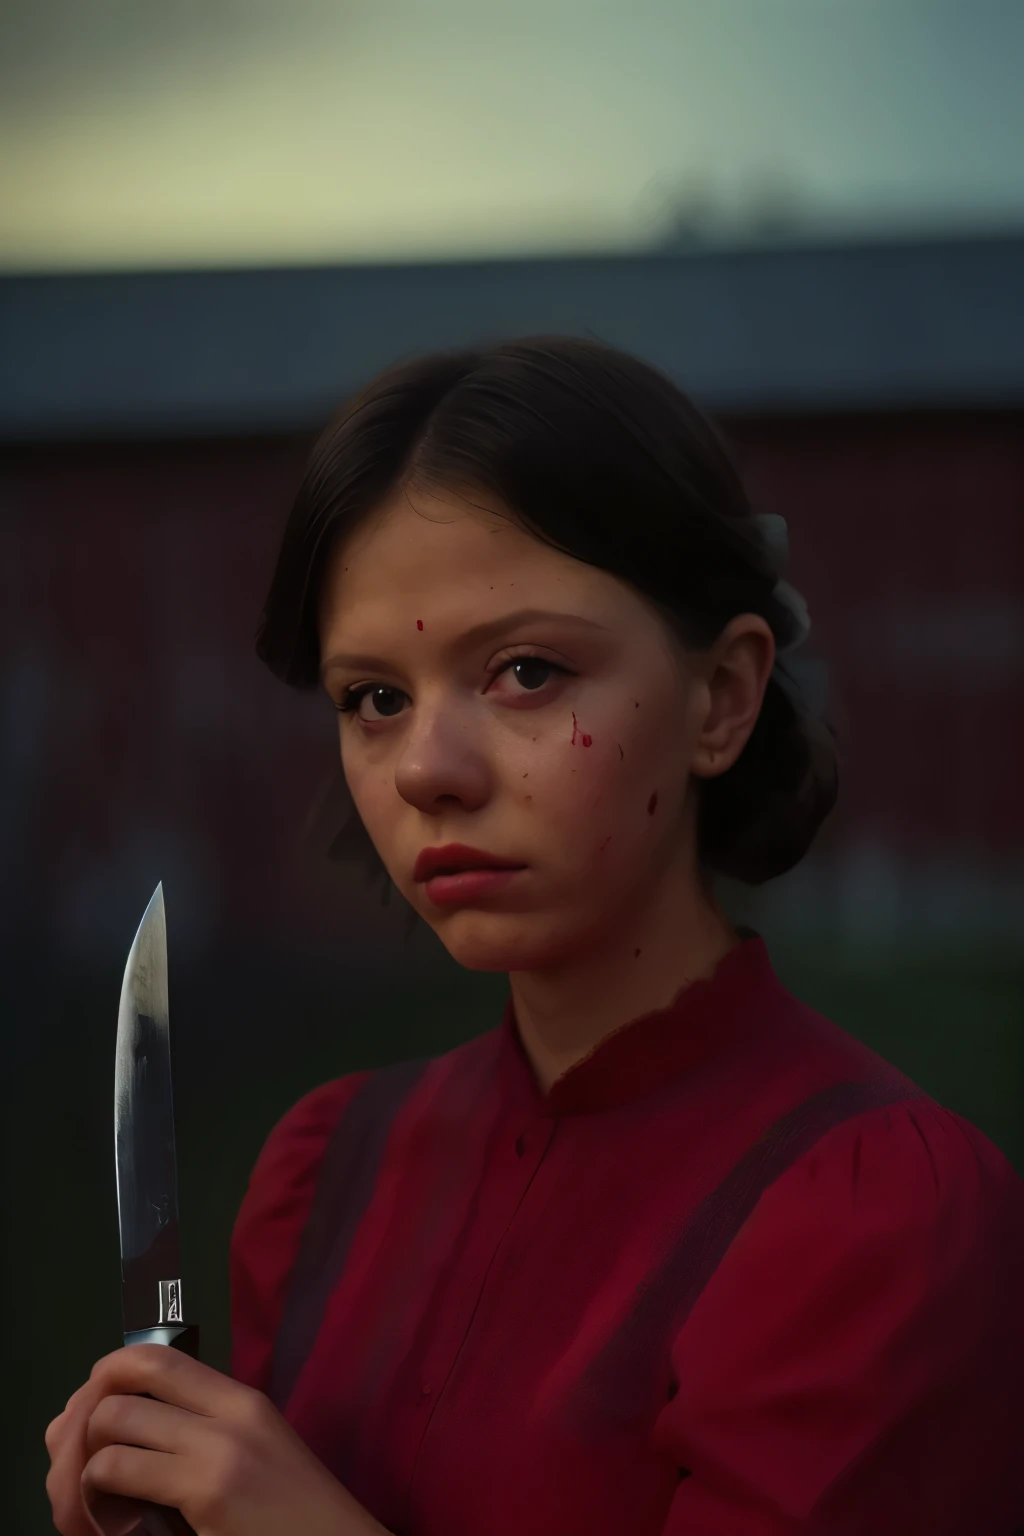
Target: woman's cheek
[[577, 784], [371, 807]]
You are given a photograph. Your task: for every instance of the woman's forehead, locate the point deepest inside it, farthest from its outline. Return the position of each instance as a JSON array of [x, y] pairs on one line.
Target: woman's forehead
[[405, 553], [424, 520], [450, 564]]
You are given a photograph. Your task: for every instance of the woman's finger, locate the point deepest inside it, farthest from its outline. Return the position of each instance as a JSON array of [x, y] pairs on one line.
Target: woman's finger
[[132, 1473], [140, 1421], [69, 1514], [76, 1413], [55, 1432], [167, 1374], [65, 1441]]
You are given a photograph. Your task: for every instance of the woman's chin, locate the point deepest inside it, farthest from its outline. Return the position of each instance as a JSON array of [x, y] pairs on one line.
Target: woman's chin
[[499, 941]]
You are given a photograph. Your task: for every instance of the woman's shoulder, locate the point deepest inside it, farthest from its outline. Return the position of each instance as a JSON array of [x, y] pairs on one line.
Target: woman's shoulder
[[911, 1167], [300, 1135], [362, 1106], [346, 1118], [274, 1210], [860, 1342], [902, 1195], [284, 1175]]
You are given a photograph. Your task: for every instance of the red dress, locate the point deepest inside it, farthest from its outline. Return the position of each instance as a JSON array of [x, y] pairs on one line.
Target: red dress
[[734, 1275]]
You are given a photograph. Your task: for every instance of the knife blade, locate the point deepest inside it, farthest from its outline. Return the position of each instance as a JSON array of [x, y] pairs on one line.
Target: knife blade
[[146, 1166]]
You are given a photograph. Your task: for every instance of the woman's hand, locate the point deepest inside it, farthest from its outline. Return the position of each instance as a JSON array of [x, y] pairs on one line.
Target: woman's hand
[[215, 1450]]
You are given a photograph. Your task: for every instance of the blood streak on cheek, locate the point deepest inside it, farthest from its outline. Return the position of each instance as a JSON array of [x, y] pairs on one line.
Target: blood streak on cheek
[[652, 804], [586, 739]]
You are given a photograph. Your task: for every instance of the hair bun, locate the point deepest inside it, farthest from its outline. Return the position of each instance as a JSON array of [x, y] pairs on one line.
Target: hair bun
[[758, 819]]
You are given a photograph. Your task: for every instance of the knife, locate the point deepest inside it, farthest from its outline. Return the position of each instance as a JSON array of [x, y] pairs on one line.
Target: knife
[[147, 1178]]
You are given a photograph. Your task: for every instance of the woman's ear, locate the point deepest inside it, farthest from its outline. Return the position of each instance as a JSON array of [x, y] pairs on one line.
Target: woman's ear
[[737, 671]]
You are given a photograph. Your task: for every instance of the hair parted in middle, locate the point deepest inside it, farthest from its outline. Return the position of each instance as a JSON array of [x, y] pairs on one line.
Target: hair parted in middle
[[606, 459]]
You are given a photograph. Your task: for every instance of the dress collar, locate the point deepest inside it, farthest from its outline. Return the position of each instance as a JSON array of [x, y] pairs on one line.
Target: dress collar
[[645, 1054]]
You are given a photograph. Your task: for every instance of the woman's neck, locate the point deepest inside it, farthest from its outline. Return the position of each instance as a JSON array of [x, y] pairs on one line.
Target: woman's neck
[[566, 1010]]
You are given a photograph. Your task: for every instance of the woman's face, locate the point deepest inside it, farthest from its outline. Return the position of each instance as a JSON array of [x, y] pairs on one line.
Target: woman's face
[[562, 741]]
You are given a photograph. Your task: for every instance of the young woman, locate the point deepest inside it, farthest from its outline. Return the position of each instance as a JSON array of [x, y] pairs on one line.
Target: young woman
[[663, 1250]]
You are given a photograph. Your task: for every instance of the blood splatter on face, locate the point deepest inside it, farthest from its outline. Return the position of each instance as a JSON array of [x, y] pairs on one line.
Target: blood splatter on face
[[419, 623], [652, 804], [583, 736]]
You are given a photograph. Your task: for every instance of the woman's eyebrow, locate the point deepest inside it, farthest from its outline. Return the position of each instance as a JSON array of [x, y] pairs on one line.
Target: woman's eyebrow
[[479, 633]]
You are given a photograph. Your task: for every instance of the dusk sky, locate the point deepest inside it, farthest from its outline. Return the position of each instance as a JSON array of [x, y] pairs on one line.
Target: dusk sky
[[185, 132]]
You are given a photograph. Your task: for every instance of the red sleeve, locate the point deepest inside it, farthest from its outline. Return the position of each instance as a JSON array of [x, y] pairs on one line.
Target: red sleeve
[[273, 1213], [857, 1362]]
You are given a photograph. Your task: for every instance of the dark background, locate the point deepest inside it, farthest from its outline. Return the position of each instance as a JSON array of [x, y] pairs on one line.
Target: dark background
[[875, 396]]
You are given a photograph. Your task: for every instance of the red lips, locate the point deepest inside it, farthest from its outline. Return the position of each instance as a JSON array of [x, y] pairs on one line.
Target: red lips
[[454, 857]]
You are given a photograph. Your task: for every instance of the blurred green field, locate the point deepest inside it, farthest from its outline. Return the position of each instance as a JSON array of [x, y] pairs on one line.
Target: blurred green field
[[954, 1022]]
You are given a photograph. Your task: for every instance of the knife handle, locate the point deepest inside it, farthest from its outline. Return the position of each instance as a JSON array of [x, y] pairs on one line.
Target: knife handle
[[158, 1520]]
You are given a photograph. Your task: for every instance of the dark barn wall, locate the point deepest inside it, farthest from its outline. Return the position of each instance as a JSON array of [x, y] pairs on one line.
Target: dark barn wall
[[141, 727]]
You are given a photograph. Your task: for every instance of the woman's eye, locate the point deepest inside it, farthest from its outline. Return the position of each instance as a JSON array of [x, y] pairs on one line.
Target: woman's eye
[[525, 669], [352, 701], [530, 672]]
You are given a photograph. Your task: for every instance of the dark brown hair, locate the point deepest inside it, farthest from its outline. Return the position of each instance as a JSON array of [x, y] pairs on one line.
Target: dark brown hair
[[604, 458]]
